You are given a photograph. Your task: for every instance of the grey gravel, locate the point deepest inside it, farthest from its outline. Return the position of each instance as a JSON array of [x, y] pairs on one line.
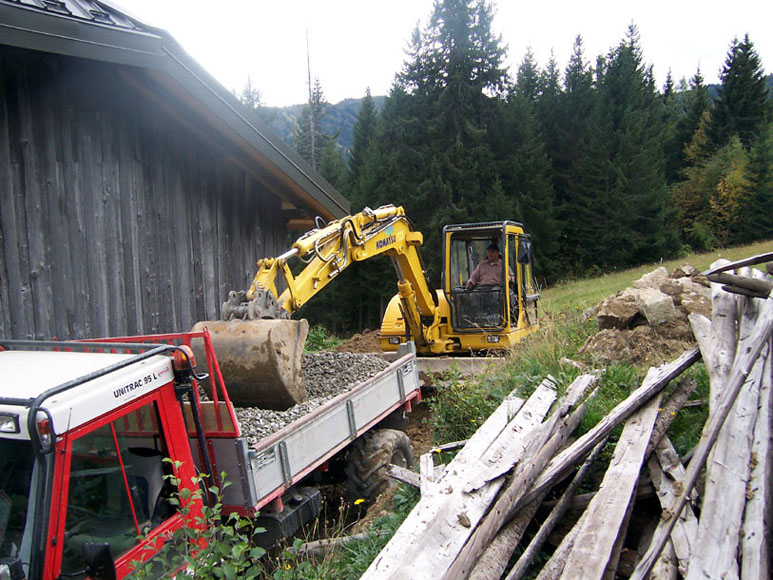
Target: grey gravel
[[326, 375]]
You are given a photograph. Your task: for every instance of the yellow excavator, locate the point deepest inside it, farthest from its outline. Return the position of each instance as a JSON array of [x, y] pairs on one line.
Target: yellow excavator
[[260, 347]]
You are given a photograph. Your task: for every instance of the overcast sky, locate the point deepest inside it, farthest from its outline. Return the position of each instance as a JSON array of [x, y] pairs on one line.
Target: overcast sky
[[355, 44]]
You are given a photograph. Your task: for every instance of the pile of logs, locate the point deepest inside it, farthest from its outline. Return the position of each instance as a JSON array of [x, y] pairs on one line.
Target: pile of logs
[[474, 512]]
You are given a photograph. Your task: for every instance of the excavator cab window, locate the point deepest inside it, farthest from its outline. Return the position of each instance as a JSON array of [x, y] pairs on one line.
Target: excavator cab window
[[515, 287], [484, 305]]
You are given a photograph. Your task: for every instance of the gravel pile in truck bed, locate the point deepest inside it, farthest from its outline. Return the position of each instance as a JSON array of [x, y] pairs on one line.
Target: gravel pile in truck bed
[[326, 374]]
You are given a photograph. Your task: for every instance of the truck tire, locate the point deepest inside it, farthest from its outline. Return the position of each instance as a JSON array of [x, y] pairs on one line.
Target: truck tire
[[367, 460]]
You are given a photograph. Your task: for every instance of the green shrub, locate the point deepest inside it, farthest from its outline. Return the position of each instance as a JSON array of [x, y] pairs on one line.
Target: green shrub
[[320, 339], [209, 546]]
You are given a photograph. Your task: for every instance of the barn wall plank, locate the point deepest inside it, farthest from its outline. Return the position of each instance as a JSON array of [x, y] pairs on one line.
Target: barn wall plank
[[7, 298]]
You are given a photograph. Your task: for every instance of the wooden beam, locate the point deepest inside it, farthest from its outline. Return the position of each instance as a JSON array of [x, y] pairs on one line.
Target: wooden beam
[[755, 556], [670, 409], [723, 320], [492, 563], [427, 473], [724, 498], [666, 470], [409, 532], [543, 444], [606, 513], [523, 563], [404, 475]]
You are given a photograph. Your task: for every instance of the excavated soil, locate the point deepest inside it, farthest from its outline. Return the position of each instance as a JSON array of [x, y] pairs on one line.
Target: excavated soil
[[637, 342], [642, 345], [367, 341]]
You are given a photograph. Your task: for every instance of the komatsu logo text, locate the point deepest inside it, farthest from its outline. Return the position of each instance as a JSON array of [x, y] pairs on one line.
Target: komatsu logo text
[[387, 241]]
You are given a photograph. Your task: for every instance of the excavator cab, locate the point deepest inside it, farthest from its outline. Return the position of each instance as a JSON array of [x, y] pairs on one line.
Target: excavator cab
[[494, 309], [489, 316]]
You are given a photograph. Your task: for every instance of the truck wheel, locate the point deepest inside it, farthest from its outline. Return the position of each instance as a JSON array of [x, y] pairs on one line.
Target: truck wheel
[[367, 460]]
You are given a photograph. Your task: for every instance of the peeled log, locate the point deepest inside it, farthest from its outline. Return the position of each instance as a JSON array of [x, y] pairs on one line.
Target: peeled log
[[260, 360]]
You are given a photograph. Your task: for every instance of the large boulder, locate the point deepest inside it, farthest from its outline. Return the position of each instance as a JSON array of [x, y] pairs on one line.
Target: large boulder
[[655, 306], [617, 311], [653, 279]]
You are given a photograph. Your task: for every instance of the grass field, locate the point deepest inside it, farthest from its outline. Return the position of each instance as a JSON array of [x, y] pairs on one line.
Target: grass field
[[580, 294]]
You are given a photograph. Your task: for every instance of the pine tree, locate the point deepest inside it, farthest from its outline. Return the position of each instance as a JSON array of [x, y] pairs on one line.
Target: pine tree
[[364, 132], [696, 104], [631, 185], [309, 128], [437, 117], [525, 170], [673, 110], [250, 95], [567, 129], [741, 107], [528, 85]]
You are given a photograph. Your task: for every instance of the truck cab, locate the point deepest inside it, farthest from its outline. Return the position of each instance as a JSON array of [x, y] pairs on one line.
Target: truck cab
[[83, 443]]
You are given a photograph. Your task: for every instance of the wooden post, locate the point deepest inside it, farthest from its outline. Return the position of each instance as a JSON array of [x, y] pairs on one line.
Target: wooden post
[[602, 523], [723, 319], [755, 557], [727, 474], [665, 470]]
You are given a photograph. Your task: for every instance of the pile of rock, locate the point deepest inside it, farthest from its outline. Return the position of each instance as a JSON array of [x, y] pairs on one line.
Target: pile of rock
[[647, 323], [326, 375]]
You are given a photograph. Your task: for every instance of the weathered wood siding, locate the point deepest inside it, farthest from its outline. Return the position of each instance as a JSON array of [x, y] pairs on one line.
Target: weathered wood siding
[[115, 218]]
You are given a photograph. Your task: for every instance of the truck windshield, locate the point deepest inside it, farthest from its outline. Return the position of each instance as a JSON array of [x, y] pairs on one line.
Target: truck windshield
[[16, 493]]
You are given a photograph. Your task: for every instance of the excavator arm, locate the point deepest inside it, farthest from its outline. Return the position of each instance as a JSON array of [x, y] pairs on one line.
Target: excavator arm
[[326, 252]]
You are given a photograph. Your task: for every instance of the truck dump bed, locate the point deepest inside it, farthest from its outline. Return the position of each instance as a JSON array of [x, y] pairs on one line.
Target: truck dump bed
[[290, 454]]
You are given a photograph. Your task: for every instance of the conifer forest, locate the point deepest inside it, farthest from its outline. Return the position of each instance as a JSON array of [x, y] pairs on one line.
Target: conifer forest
[[605, 169]]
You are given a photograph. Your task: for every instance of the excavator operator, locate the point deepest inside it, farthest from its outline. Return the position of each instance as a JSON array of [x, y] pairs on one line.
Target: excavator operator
[[489, 271]]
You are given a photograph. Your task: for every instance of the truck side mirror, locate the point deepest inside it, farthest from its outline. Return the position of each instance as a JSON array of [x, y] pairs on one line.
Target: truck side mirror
[[99, 561]]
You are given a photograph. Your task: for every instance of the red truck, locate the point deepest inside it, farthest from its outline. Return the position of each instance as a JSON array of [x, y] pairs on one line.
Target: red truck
[[90, 432]]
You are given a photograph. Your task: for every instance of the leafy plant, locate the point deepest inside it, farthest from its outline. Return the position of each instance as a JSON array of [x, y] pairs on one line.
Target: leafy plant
[[460, 406], [320, 339], [208, 546]]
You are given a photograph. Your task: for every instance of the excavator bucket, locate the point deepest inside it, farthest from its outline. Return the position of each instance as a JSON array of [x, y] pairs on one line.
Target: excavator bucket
[[260, 360]]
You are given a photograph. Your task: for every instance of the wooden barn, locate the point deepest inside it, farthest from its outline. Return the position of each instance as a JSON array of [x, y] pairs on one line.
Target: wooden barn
[[135, 190]]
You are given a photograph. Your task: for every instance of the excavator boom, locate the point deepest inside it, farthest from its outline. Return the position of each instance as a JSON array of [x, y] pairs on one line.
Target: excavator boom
[[255, 337]]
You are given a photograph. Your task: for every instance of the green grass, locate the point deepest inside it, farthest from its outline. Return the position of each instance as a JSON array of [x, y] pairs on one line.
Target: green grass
[[581, 294]]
